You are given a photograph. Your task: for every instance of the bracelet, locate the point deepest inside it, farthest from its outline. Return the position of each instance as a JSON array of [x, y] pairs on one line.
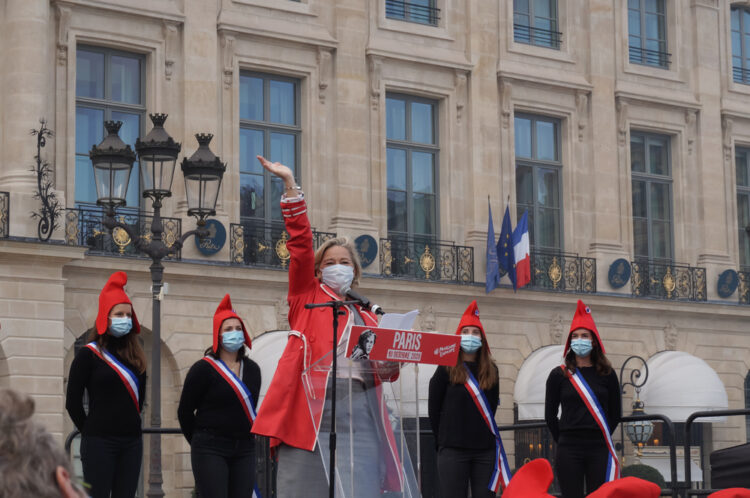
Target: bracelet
[[294, 187]]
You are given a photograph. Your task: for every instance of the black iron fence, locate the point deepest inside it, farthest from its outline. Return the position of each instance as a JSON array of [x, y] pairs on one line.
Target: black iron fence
[[261, 244], [4, 214], [405, 10], [649, 57], [524, 33], [743, 288], [557, 271], [426, 259], [741, 75], [668, 281], [84, 227]]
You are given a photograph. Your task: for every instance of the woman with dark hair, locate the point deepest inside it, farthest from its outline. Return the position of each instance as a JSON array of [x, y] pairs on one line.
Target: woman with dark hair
[[365, 343], [217, 410], [462, 403], [112, 369], [587, 388]]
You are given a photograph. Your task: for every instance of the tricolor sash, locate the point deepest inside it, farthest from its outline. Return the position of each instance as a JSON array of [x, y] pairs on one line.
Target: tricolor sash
[[592, 403], [501, 473], [239, 387], [128, 378]]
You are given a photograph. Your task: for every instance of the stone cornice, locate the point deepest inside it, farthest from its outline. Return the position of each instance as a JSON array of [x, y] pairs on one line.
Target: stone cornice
[[574, 84], [173, 16], [446, 58], [660, 99], [33, 250], [321, 37]]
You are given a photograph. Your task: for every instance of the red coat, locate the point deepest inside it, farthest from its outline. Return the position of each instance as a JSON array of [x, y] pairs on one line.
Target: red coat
[[285, 413]]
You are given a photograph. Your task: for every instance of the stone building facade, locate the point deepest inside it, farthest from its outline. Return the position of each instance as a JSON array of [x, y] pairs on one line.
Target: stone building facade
[[623, 129]]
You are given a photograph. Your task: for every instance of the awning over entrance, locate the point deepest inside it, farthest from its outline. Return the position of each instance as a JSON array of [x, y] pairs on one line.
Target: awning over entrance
[[532, 379], [680, 384], [266, 352]]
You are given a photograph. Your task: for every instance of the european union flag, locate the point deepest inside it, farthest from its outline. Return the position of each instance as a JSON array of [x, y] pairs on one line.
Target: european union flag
[[493, 270], [505, 248]]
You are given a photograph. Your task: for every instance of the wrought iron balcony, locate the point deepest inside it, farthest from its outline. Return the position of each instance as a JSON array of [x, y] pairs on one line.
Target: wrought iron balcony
[[83, 227], [562, 272], [665, 280], [741, 75], [426, 259], [649, 57], [407, 11], [523, 33], [255, 243], [4, 214], [743, 288]]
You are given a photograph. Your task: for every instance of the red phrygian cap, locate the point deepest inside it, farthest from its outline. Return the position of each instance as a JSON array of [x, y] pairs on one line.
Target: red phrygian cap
[[113, 294], [583, 320], [223, 312], [627, 487], [531, 481], [470, 318], [731, 493]]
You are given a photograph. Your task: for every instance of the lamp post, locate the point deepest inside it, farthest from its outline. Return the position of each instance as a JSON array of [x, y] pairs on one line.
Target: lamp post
[[113, 161], [639, 431]]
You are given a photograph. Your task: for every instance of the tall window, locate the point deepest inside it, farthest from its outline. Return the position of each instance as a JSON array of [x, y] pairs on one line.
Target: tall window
[[741, 45], [747, 405], [269, 126], [647, 32], [417, 11], [743, 204], [535, 22], [538, 166], [109, 86], [652, 196], [412, 157]]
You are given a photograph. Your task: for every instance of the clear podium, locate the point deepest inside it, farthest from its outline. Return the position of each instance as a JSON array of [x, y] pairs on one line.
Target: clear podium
[[372, 455]]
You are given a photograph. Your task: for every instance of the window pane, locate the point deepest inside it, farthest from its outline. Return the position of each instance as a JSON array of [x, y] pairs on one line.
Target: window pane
[[547, 191], [746, 20], [277, 188], [251, 196], [639, 200], [637, 157], [542, 8], [660, 202], [421, 123], [396, 211], [395, 119], [546, 141], [657, 151], [743, 179], [524, 185], [523, 137], [652, 26], [89, 74], [283, 150], [634, 4], [653, 6], [661, 238], [735, 19], [251, 145], [251, 98], [743, 217], [85, 190], [547, 228], [521, 6], [640, 237], [89, 128], [422, 172], [634, 23], [736, 45], [282, 102], [396, 169], [424, 214], [125, 79]]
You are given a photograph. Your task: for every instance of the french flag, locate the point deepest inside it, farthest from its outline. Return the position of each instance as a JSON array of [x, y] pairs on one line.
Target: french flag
[[521, 251]]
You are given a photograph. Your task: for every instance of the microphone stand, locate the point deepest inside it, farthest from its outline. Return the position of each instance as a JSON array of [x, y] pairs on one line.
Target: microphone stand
[[336, 308]]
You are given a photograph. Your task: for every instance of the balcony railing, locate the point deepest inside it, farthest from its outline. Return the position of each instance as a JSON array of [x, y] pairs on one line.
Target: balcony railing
[[562, 272], [523, 33], [430, 260], [650, 57], [83, 227], [407, 11], [4, 214], [741, 75], [254, 243], [743, 288], [664, 280]]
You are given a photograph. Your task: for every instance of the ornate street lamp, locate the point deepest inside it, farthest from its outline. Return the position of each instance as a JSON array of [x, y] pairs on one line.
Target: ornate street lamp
[[639, 431], [157, 153]]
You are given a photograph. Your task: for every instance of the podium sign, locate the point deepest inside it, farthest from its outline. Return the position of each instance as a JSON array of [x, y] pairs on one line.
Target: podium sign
[[378, 344]]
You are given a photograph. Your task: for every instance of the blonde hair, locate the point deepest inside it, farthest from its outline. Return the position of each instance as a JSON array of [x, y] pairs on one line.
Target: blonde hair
[[342, 242]]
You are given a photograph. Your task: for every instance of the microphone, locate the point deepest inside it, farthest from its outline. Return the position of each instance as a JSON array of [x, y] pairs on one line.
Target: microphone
[[364, 302]]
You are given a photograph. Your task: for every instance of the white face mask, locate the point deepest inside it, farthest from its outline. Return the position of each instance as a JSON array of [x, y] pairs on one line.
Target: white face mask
[[338, 277]]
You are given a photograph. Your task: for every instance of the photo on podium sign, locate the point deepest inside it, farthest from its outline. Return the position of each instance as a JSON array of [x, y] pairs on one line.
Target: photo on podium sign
[[411, 346]]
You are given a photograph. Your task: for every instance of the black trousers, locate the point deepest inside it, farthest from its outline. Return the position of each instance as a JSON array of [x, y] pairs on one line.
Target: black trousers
[[112, 464], [223, 467], [459, 468], [580, 460]]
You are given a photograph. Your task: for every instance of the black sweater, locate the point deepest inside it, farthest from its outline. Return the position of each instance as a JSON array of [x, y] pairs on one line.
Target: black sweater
[[455, 419], [576, 421], [111, 409], [208, 402]]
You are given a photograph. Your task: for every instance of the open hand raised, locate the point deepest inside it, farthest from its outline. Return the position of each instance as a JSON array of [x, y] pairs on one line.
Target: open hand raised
[[279, 170]]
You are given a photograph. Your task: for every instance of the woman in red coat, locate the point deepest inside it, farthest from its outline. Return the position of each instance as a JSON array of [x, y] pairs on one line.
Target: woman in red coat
[[319, 277]]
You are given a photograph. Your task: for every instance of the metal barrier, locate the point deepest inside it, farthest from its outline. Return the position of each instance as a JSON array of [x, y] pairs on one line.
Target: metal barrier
[[689, 491]]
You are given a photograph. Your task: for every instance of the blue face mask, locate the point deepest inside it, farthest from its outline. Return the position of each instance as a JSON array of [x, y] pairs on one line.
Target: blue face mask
[[581, 347], [470, 343], [120, 326], [233, 340]]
